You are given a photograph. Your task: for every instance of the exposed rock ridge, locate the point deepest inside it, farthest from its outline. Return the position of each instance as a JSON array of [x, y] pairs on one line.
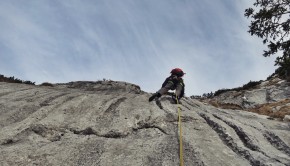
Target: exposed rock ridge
[[270, 97], [105, 85]]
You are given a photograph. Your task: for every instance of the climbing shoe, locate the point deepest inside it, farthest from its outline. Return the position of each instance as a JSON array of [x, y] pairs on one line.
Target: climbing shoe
[[174, 100]]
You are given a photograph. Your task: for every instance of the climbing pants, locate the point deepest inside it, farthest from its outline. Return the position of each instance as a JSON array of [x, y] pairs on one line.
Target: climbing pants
[[170, 86]]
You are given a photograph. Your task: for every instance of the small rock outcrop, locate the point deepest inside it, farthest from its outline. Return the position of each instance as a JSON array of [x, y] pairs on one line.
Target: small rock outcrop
[[112, 123], [287, 118], [270, 97]]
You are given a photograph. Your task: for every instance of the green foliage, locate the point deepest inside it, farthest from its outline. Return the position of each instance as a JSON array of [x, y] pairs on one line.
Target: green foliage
[[271, 22], [46, 84], [14, 80], [251, 84], [220, 91], [247, 86], [208, 95], [284, 69]]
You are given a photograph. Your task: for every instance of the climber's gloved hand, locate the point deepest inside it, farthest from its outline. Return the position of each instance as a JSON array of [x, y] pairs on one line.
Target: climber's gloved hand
[[155, 95]]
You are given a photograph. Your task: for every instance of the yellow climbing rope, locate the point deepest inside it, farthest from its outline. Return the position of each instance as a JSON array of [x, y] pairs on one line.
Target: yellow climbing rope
[[180, 133]]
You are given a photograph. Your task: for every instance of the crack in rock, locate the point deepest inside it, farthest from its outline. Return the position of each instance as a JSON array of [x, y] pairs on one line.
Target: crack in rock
[[114, 134], [90, 131], [8, 142], [277, 142], [142, 125], [158, 103], [242, 135], [117, 134], [193, 105], [115, 105], [229, 141], [50, 99], [46, 132], [245, 138]]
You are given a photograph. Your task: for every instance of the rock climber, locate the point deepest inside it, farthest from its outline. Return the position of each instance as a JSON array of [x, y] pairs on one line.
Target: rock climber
[[173, 82]]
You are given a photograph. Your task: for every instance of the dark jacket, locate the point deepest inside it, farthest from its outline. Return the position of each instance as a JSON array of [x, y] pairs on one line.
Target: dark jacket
[[174, 80]]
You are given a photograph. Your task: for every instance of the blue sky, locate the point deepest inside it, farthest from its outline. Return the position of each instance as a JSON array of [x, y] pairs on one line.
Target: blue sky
[[137, 41]]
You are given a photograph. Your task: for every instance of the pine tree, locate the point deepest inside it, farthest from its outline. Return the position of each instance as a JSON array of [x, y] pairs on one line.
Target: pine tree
[[270, 20]]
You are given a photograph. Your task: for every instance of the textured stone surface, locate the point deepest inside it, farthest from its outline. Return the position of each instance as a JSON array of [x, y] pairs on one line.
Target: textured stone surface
[[268, 91], [270, 97], [287, 118], [112, 123]]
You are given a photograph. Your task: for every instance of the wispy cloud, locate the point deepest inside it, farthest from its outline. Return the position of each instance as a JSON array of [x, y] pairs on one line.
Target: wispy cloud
[[133, 41]]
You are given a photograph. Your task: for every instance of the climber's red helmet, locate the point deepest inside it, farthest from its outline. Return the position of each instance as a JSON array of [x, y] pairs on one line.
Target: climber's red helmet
[[177, 71]]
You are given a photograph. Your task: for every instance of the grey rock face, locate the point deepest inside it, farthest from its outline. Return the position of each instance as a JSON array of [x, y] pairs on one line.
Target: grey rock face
[[90, 123], [287, 118], [273, 90]]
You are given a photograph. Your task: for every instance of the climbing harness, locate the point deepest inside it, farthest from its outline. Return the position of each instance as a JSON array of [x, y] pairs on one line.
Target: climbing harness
[[180, 133]]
